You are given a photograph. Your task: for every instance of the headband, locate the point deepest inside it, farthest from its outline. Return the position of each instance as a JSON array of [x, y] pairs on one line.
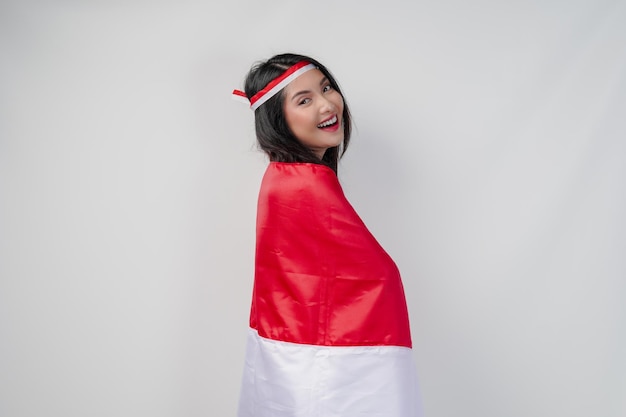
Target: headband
[[275, 85]]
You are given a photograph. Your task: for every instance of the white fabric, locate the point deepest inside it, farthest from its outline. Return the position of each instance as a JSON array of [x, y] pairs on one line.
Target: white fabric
[[283, 379]]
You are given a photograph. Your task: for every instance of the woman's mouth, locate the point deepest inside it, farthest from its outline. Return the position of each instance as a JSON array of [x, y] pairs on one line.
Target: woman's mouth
[[329, 124]]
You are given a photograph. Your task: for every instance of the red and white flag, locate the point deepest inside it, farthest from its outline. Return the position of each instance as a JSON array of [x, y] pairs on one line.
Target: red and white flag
[[329, 329]]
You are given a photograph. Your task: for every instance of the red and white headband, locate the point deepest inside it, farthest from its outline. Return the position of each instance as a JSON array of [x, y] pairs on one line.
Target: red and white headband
[[275, 85]]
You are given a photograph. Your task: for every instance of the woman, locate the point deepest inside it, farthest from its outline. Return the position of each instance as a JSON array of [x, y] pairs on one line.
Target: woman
[[329, 329]]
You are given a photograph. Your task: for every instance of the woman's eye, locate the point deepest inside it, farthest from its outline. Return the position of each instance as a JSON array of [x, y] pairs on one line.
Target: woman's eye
[[327, 88], [304, 101]]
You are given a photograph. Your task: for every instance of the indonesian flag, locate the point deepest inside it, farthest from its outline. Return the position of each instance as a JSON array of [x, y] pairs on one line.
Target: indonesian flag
[[329, 329]]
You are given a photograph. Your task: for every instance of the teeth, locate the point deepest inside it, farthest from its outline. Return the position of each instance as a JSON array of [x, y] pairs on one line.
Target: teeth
[[328, 122]]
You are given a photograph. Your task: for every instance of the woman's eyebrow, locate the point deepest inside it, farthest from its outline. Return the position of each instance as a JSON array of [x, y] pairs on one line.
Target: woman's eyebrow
[[322, 81]]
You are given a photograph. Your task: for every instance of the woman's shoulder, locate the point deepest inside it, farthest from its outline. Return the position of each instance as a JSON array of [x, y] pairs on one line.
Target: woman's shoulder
[[292, 179], [300, 174], [300, 169]]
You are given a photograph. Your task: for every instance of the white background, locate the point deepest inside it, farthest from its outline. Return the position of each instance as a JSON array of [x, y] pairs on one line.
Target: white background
[[489, 159]]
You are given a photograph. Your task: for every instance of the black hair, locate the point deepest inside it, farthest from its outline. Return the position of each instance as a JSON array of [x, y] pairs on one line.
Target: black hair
[[272, 132]]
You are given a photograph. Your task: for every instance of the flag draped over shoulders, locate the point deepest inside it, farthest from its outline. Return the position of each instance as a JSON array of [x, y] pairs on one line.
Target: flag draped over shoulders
[[329, 328]]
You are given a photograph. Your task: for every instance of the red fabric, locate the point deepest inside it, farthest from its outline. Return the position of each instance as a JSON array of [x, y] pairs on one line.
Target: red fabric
[[321, 278]]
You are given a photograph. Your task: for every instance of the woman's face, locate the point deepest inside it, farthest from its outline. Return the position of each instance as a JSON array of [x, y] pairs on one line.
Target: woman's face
[[314, 111]]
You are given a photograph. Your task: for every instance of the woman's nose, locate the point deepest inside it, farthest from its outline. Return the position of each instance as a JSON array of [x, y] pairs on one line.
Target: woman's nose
[[327, 106]]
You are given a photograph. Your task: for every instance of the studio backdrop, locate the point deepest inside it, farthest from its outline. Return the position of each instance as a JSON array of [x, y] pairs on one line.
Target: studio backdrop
[[488, 158]]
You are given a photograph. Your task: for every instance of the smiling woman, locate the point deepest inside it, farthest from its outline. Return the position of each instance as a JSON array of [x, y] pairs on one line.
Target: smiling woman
[[314, 112], [266, 88], [329, 327]]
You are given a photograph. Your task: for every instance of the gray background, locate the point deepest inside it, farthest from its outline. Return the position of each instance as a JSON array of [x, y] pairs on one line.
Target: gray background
[[489, 159]]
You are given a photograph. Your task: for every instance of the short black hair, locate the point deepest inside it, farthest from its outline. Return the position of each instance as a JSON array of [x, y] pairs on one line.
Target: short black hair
[[272, 132]]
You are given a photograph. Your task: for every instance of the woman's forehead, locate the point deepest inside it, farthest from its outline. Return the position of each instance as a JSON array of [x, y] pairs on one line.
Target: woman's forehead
[[306, 81]]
